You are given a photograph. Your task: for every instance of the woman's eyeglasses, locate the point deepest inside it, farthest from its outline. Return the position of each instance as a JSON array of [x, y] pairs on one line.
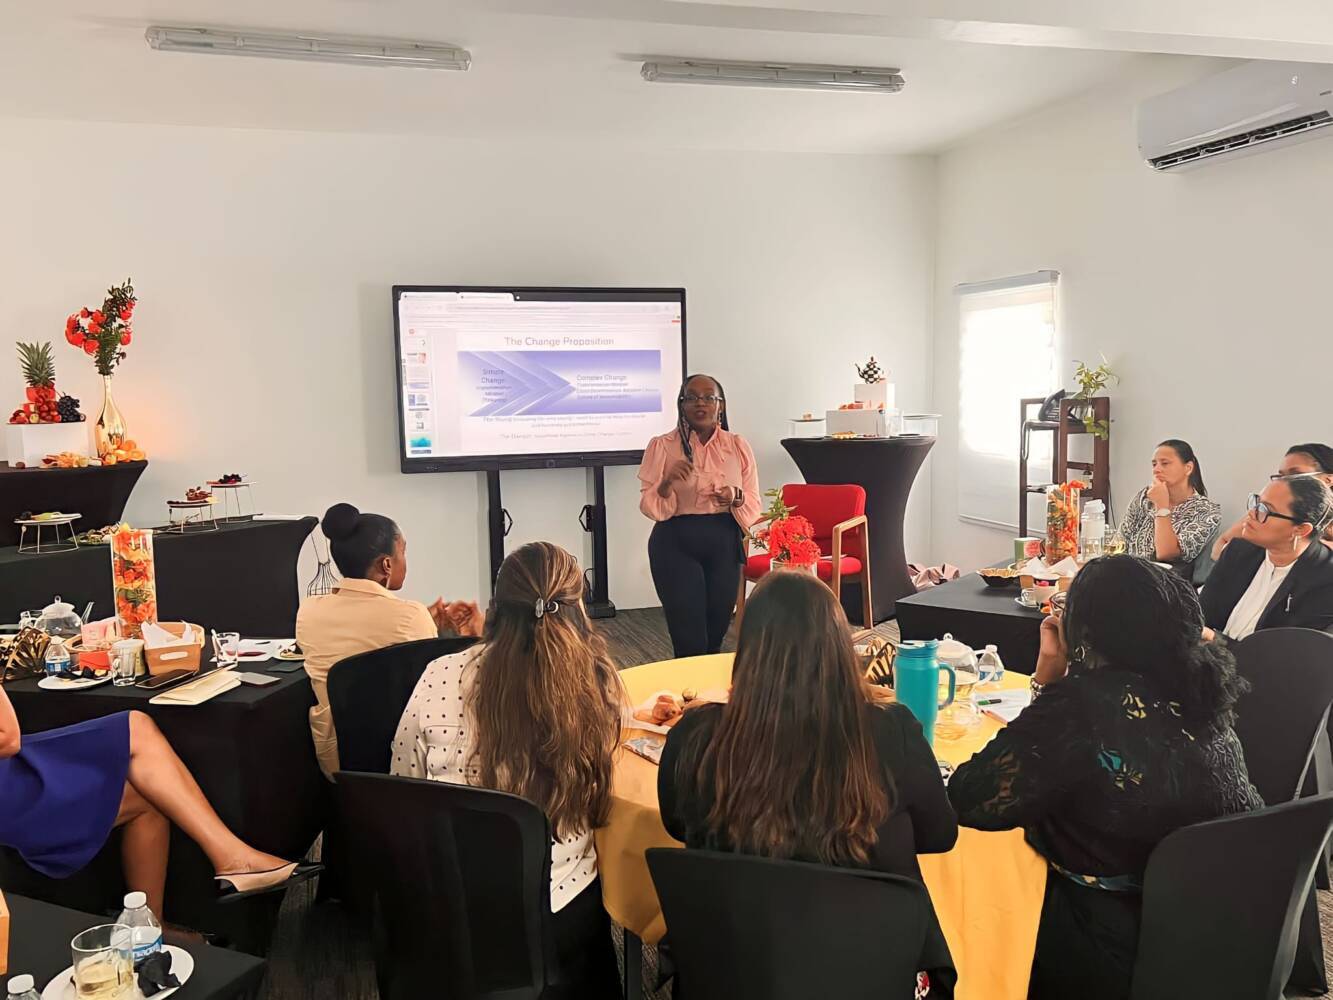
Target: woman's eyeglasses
[[692, 398], [1262, 512]]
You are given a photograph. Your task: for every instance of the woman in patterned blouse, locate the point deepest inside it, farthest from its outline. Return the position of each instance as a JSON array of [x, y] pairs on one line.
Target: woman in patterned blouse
[[1130, 739], [1172, 520]]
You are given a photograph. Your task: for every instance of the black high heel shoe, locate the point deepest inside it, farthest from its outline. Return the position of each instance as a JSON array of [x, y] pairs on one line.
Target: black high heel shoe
[[242, 885]]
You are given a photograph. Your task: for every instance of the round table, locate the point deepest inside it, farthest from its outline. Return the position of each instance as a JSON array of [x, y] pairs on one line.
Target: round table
[[987, 891]]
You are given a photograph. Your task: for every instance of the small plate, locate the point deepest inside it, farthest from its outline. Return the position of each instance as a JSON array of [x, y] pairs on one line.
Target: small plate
[[182, 964], [58, 519], [71, 684]]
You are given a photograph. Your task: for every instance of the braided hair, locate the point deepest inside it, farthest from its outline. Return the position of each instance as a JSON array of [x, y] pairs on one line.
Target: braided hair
[[1125, 613], [683, 425]]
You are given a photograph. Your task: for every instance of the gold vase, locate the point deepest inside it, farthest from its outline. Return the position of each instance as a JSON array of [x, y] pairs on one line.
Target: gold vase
[[110, 430]]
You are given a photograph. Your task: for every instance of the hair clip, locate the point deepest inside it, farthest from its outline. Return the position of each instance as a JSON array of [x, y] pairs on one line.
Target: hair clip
[[542, 608]]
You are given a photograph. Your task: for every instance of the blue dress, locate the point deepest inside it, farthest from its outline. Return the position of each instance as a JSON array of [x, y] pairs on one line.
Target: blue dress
[[61, 793]]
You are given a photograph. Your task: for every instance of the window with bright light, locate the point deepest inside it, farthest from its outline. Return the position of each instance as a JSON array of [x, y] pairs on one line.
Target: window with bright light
[[1007, 352]]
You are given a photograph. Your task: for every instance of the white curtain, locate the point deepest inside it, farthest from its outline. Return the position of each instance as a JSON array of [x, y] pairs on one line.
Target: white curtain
[[1007, 351]]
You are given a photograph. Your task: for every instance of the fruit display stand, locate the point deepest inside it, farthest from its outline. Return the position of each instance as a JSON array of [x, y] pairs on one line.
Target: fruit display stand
[[30, 443], [99, 493]]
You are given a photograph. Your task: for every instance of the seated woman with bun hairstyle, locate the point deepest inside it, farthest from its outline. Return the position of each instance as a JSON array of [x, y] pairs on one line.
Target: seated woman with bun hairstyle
[[362, 613]]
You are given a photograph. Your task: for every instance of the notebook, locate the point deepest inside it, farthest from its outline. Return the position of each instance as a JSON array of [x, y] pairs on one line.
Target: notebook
[[198, 691], [1004, 706]]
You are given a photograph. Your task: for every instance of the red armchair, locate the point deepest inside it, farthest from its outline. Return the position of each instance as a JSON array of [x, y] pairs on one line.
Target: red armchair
[[838, 514]]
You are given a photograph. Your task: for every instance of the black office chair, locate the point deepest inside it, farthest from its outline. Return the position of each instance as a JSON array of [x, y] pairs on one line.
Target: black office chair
[[462, 888], [1282, 723], [747, 928], [1222, 904], [367, 695]]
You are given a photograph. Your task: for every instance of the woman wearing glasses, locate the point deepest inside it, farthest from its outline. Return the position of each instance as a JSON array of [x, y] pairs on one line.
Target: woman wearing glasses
[[1301, 460], [700, 484], [1275, 574]]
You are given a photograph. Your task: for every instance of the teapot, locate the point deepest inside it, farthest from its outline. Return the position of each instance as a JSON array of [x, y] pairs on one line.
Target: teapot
[[950, 652], [59, 619]]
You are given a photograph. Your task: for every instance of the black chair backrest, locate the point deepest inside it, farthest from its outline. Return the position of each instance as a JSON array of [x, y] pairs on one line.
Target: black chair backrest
[[1290, 671], [368, 692], [462, 887], [1222, 902], [747, 928]]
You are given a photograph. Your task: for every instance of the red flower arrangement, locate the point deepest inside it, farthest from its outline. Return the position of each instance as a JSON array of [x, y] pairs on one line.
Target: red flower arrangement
[[787, 536], [104, 333]]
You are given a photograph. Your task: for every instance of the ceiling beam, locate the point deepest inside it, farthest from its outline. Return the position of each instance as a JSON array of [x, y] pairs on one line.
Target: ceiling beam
[[1294, 30]]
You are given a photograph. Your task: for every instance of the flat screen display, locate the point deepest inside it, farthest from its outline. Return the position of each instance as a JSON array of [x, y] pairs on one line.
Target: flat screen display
[[512, 378]]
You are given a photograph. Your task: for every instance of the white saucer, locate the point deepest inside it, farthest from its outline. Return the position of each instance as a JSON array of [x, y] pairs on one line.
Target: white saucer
[[182, 965], [71, 684], [1024, 604]]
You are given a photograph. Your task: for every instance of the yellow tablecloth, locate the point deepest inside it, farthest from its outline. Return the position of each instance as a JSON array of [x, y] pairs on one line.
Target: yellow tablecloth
[[987, 891]]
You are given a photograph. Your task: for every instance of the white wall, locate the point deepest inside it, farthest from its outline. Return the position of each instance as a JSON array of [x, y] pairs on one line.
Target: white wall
[[1207, 290], [263, 261]]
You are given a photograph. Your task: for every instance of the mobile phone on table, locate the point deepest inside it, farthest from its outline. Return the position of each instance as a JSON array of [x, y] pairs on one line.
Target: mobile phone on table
[[258, 680], [158, 681]]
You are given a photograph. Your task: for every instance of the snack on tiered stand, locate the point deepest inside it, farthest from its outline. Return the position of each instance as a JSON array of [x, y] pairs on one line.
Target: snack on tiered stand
[[871, 412], [1062, 516], [133, 580]]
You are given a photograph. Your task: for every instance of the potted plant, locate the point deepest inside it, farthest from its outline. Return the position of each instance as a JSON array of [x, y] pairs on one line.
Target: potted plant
[[787, 536], [1091, 381]]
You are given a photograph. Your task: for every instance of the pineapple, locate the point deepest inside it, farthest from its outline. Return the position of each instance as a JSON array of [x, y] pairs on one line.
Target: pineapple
[[39, 371]]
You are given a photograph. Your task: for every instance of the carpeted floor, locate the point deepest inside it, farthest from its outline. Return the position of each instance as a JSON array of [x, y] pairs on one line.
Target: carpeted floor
[[318, 954]]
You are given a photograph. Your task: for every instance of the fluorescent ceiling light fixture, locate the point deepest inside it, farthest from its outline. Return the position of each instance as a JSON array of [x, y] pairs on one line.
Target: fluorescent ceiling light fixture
[[310, 48], [787, 76]]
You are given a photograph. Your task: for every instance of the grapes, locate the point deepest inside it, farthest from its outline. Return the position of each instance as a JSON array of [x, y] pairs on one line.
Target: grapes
[[68, 409]]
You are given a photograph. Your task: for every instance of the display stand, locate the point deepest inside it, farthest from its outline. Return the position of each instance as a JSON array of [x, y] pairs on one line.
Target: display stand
[[593, 520], [498, 522]]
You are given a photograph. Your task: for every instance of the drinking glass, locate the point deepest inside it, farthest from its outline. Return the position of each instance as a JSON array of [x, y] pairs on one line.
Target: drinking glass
[[227, 648], [956, 720], [1115, 544], [103, 966]]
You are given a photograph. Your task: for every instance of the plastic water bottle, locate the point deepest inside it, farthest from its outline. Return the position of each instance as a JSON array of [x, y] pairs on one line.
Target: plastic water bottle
[[990, 666], [21, 988], [146, 932], [57, 658], [1092, 529]]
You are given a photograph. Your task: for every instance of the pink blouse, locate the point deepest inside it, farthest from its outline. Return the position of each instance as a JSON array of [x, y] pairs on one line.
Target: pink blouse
[[724, 460]]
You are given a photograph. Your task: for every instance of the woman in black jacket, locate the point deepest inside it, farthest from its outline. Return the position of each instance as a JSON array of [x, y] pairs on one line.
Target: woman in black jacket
[[1129, 739], [810, 769], [1276, 574]]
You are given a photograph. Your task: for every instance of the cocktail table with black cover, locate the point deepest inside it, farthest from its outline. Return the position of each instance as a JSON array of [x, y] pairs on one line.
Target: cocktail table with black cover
[[251, 752], [40, 933], [976, 615], [98, 493], [885, 468]]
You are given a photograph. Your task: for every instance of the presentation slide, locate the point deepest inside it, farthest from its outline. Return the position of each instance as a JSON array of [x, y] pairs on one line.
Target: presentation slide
[[494, 374]]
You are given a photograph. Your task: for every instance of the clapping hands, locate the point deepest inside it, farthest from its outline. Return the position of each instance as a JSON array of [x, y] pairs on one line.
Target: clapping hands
[[463, 617]]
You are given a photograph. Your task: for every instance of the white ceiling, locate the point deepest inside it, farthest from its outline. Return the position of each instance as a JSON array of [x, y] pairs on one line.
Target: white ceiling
[[543, 72]]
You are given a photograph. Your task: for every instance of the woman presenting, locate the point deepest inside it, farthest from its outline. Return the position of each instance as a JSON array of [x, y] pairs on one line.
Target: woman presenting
[[699, 483]]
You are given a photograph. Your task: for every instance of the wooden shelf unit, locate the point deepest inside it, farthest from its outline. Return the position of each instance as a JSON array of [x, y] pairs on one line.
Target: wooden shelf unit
[[1097, 473]]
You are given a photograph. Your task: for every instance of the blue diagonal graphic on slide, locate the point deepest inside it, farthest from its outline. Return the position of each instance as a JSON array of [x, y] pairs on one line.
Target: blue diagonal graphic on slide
[[525, 385]]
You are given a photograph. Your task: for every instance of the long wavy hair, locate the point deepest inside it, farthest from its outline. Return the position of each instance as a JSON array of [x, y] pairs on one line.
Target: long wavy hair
[[791, 764], [546, 700], [1126, 613]]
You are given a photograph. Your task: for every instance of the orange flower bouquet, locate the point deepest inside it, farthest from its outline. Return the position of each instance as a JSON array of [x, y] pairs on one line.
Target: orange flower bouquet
[[133, 580], [1062, 520]]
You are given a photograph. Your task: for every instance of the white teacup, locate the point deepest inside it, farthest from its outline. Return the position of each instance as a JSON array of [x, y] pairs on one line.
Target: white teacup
[[1037, 595]]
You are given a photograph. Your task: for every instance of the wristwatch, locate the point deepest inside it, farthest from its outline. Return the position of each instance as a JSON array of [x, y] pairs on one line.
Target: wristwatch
[[1162, 512], [739, 499]]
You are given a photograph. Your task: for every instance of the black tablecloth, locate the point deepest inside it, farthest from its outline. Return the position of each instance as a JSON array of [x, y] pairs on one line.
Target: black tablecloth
[[98, 493], [240, 578], [886, 469], [39, 937], [976, 615], [251, 752]]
